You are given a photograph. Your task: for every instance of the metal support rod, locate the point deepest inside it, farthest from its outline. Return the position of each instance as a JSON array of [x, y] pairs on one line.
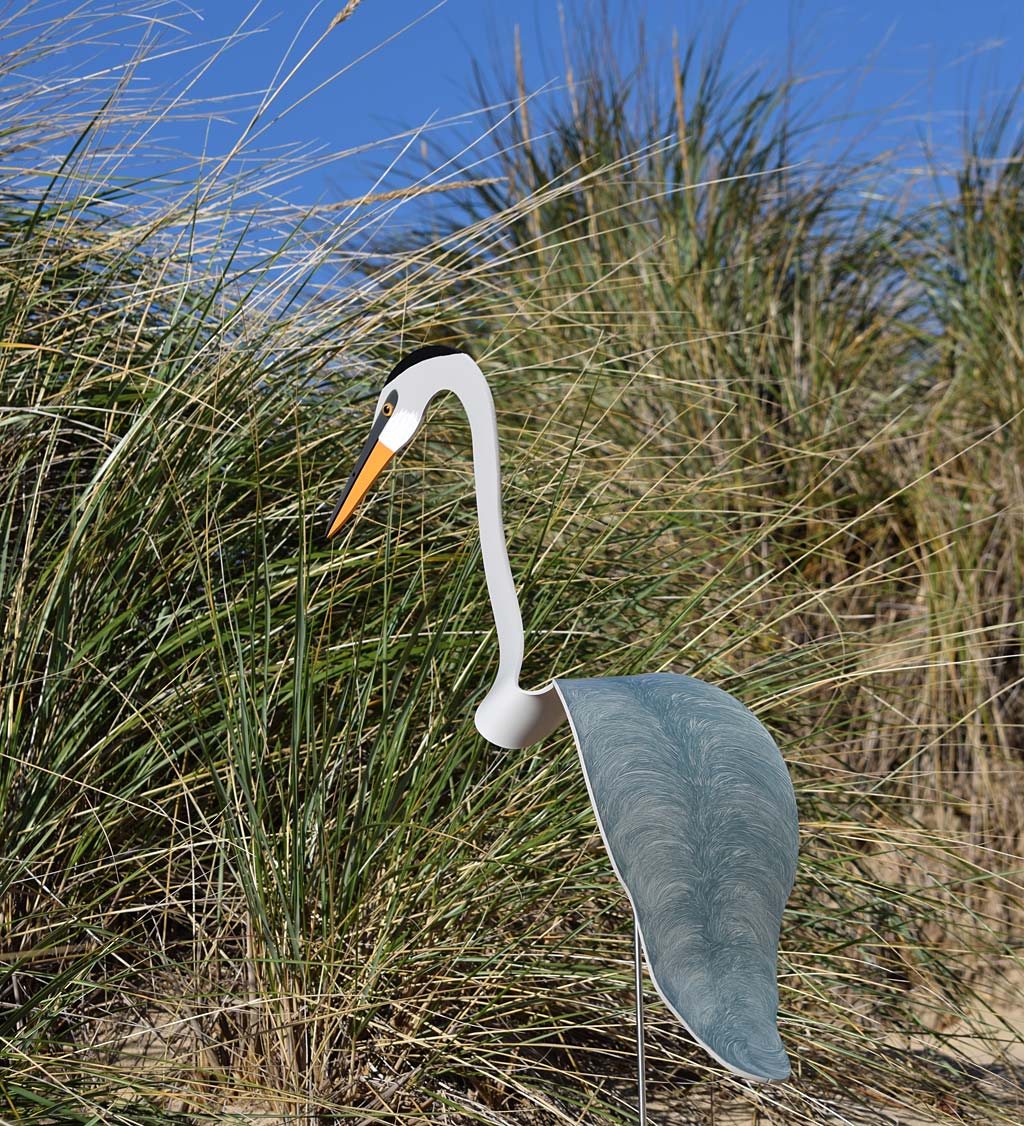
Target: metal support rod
[[641, 1067]]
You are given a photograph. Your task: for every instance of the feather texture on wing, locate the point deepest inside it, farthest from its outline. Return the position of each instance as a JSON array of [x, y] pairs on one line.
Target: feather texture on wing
[[697, 811]]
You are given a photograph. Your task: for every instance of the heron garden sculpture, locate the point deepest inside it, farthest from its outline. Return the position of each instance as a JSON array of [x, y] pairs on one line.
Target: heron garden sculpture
[[691, 794]]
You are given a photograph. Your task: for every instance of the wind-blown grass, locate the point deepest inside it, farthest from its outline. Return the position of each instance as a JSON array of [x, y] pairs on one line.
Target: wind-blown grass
[[256, 862]]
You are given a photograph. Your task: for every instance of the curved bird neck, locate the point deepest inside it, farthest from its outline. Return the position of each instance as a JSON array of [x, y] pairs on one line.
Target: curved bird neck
[[508, 716]]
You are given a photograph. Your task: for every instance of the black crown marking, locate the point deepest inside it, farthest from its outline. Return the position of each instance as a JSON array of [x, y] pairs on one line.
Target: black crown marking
[[418, 355]]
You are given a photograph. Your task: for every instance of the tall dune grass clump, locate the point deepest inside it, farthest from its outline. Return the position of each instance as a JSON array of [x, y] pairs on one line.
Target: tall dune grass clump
[[256, 863]]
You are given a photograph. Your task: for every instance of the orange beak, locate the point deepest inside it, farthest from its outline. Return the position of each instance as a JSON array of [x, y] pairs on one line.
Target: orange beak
[[371, 461]]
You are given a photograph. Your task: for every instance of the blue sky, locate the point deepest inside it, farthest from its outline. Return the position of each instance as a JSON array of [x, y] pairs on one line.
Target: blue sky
[[903, 68]]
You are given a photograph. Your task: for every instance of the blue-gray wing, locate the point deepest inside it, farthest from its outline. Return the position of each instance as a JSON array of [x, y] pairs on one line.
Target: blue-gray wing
[[696, 809]]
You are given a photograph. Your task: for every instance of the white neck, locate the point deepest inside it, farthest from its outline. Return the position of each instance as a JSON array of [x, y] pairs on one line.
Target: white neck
[[508, 716]]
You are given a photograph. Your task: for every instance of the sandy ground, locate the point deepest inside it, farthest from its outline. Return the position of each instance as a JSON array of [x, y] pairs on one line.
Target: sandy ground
[[992, 1065]]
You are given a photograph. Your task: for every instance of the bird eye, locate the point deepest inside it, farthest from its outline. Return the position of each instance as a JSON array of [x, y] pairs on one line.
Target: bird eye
[[386, 410]]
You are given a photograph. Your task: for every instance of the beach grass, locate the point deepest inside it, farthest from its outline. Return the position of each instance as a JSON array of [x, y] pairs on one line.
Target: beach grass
[[761, 423]]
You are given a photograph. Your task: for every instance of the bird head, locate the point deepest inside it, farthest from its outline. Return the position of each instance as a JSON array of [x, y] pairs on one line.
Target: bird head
[[412, 383]]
